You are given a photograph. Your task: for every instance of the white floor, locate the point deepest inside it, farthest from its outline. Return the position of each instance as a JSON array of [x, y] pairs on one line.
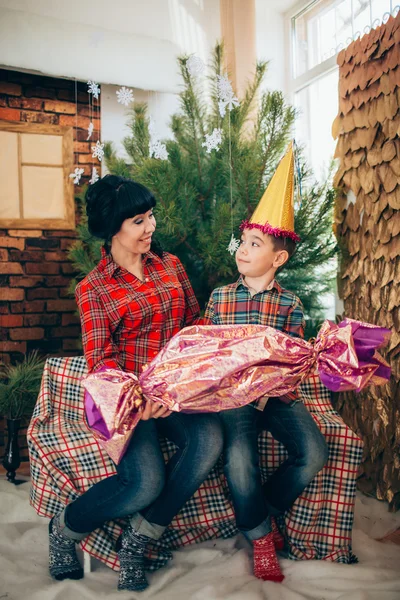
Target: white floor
[[208, 571]]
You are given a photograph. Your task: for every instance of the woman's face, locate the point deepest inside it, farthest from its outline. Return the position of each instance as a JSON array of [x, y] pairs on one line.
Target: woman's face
[[136, 232]]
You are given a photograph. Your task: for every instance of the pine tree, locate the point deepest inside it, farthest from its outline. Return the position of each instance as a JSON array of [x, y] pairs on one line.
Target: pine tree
[[202, 196]]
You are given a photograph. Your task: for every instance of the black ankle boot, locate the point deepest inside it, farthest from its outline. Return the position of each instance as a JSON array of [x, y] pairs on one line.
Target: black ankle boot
[[131, 549], [63, 561]]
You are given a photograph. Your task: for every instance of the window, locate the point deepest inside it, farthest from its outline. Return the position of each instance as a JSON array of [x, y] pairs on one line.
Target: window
[[324, 27], [35, 189], [319, 30]]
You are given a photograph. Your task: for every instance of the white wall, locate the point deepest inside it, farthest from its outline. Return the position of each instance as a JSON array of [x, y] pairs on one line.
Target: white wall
[[193, 26], [124, 42], [270, 43], [115, 117]]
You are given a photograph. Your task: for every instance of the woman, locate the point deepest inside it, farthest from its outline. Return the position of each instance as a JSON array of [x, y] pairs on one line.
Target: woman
[[130, 305]]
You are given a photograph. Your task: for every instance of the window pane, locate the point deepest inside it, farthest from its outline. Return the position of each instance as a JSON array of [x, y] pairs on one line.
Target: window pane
[[9, 178], [329, 25], [319, 30], [361, 15], [318, 107], [43, 192], [41, 149], [378, 9]]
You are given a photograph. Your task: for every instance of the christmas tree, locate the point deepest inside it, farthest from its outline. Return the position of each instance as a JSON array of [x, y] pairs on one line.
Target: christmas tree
[[206, 186]]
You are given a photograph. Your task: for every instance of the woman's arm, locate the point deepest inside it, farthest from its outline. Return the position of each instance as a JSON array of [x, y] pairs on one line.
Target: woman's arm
[[98, 345]]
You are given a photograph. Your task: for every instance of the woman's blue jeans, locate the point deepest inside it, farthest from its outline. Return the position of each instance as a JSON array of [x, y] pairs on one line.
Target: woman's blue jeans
[[143, 482], [294, 427]]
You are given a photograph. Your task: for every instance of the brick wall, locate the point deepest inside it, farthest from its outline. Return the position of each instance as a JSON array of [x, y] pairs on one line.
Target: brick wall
[[36, 311]]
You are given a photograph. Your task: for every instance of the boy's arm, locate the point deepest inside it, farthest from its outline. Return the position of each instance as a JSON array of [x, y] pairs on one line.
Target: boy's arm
[[209, 314], [294, 326], [295, 322]]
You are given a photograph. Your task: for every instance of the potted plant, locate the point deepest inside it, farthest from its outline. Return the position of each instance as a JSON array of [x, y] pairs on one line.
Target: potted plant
[[19, 388]]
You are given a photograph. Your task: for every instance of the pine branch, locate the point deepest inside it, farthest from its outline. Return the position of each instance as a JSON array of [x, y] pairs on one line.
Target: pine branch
[[193, 188], [251, 93]]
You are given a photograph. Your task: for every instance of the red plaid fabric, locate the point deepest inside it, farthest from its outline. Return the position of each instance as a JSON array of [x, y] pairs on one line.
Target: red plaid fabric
[[276, 307], [125, 322], [66, 460]]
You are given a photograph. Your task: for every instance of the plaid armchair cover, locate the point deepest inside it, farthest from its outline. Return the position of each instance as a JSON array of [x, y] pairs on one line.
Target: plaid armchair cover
[[66, 460]]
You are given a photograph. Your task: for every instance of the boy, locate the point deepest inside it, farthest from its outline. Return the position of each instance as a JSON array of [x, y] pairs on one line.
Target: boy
[[268, 241]]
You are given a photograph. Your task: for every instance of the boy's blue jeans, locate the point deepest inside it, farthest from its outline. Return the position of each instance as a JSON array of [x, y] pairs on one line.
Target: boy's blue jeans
[[144, 483], [294, 427]]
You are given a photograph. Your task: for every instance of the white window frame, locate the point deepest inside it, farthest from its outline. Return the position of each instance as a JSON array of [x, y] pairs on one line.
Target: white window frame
[[297, 83]]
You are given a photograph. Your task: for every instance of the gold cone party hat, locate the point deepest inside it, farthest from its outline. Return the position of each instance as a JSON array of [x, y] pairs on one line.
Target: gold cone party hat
[[274, 214]]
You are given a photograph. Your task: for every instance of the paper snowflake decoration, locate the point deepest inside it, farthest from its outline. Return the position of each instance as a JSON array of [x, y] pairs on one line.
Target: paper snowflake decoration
[[158, 150], [226, 96], [232, 103], [124, 96], [95, 176], [76, 175], [98, 151], [224, 87], [156, 147], [93, 88], [222, 108], [213, 140], [195, 66], [233, 245], [90, 131]]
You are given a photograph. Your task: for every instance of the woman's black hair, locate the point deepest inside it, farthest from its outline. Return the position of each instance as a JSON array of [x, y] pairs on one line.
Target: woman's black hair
[[113, 199]]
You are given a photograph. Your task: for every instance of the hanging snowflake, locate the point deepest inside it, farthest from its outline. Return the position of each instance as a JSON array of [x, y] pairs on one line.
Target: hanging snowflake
[[76, 175], [224, 87], [233, 245], [227, 98], [124, 96], [158, 150], [195, 66], [222, 108], [93, 88], [156, 147], [213, 141], [98, 150], [232, 103], [95, 176], [90, 131]]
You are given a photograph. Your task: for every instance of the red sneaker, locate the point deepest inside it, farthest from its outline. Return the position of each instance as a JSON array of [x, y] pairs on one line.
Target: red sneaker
[[266, 565], [279, 540]]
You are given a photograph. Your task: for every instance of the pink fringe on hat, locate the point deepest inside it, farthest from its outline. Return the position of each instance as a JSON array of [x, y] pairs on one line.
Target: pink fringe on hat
[[268, 229]]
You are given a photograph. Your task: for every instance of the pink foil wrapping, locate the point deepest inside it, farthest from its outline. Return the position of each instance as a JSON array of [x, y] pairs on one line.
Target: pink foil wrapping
[[111, 399], [214, 368]]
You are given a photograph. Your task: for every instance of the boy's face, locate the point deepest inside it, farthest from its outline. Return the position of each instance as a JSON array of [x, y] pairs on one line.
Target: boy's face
[[256, 255]]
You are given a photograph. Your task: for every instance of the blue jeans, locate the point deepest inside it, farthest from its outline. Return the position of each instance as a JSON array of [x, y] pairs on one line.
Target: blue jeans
[[144, 483], [294, 427]]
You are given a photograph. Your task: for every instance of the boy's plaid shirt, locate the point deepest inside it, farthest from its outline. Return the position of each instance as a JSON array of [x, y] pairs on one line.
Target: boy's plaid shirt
[[275, 307], [126, 322]]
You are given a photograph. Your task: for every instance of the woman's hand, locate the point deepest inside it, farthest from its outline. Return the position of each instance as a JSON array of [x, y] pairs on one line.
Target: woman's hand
[[154, 410]]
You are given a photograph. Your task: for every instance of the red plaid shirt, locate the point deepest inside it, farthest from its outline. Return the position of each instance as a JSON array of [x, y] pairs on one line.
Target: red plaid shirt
[[276, 307], [125, 322]]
